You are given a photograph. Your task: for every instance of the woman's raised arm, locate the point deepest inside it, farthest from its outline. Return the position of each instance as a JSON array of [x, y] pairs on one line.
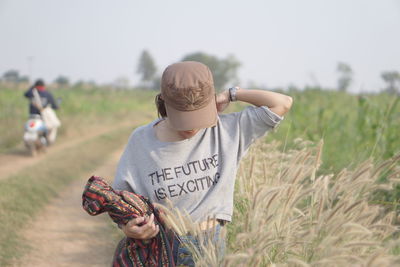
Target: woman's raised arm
[[278, 103]]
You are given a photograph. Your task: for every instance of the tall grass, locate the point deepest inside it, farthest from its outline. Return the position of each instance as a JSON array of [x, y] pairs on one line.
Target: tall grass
[[288, 215], [13, 112], [354, 127], [293, 216]]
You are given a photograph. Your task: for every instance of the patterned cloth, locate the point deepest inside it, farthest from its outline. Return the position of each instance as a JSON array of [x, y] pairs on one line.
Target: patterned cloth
[[122, 206]]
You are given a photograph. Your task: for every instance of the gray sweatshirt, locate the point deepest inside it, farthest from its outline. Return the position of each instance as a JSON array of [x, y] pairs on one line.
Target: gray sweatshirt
[[196, 174]]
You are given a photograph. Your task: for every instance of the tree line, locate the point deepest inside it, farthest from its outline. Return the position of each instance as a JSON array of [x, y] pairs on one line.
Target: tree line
[[224, 72], [345, 78], [224, 69], [14, 77]]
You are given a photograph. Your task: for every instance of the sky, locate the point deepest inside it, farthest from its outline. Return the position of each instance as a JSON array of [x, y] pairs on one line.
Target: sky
[[279, 43]]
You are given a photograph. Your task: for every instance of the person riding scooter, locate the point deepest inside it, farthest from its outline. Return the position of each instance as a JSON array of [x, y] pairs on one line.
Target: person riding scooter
[[40, 98]]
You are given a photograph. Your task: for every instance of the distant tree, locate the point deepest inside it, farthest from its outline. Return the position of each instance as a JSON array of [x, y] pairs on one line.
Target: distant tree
[[224, 70], [79, 84], [146, 67], [392, 80], [121, 82], [11, 76], [62, 81], [82, 84], [345, 76], [156, 85], [92, 83]]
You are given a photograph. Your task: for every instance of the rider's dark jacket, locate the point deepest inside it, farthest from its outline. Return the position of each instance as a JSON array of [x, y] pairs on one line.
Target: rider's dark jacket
[[46, 98]]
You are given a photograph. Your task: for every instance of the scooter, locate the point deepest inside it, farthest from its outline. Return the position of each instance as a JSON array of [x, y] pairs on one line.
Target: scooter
[[35, 135]]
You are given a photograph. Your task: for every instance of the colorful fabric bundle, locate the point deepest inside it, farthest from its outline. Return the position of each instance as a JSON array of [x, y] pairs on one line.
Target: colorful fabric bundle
[[122, 206]]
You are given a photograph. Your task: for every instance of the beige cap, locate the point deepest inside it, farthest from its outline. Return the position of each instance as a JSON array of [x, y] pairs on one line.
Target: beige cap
[[189, 95]]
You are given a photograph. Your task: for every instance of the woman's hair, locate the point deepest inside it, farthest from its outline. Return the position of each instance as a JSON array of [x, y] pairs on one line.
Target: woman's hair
[[160, 104]]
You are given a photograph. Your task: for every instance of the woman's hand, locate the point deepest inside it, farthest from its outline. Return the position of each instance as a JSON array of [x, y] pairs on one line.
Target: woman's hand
[[222, 101], [146, 231]]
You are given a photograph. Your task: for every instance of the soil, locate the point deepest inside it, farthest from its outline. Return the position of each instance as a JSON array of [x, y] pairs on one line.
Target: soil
[[65, 235]]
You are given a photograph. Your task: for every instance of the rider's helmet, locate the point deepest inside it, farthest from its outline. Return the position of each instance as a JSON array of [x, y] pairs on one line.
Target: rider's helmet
[[39, 82]]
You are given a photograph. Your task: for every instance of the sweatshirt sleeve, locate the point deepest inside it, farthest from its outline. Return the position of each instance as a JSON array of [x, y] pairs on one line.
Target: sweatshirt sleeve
[[52, 101], [28, 93], [254, 122]]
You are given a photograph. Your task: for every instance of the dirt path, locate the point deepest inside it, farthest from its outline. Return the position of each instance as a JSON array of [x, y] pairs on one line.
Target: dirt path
[[13, 162], [65, 235]]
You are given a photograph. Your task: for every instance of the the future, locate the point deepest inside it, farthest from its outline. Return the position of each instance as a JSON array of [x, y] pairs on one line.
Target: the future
[[190, 168]]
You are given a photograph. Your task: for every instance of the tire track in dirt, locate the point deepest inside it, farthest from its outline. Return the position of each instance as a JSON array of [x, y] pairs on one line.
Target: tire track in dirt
[[65, 235]]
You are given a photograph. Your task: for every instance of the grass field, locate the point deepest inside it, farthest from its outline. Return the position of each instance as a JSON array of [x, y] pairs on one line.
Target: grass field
[[353, 127], [79, 109], [297, 190]]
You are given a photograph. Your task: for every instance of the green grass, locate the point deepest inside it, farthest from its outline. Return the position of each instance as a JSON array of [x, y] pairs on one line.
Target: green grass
[[79, 108], [353, 127], [13, 112]]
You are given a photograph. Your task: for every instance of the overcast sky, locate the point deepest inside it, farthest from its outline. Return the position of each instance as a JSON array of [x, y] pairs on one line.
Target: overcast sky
[[278, 42]]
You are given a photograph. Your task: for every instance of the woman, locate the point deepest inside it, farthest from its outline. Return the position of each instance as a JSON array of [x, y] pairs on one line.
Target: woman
[[190, 155]]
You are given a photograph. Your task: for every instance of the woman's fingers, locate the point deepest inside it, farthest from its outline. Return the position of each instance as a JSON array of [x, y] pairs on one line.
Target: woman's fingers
[[150, 228], [222, 101], [151, 231], [149, 225], [145, 231], [150, 218], [131, 229], [157, 229], [135, 221]]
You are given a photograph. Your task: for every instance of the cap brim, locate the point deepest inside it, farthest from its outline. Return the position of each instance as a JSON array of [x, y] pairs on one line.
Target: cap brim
[[197, 119]]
